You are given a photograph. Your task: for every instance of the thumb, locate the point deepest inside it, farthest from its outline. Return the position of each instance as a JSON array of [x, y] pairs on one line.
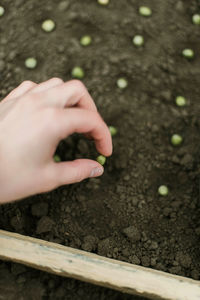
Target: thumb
[[77, 170]]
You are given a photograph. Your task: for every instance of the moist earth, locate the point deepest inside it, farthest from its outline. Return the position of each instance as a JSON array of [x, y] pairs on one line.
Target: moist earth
[[120, 215]]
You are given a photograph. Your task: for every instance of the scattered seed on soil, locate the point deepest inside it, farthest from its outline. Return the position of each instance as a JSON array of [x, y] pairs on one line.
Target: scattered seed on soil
[[145, 11], [31, 63], [122, 83], [77, 72], [57, 158], [163, 190], [188, 53], [180, 101], [196, 19], [2, 11], [85, 40], [101, 159], [48, 25], [176, 139], [138, 40], [113, 130], [103, 2]]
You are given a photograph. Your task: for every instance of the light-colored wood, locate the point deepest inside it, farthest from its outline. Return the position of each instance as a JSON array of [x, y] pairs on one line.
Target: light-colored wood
[[69, 262]]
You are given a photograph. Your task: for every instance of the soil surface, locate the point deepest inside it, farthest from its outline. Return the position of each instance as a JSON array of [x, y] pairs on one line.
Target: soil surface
[[121, 214]]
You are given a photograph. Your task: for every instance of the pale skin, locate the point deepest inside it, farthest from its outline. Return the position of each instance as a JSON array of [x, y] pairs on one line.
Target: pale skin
[[34, 118]]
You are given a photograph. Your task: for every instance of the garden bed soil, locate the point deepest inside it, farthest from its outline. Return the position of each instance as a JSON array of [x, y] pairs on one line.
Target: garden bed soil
[[121, 214]]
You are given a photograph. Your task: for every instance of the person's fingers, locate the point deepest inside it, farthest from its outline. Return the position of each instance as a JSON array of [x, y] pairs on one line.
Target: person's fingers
[[71, 93], [53, 82], [85, 121], [23, 88], [75, 171]]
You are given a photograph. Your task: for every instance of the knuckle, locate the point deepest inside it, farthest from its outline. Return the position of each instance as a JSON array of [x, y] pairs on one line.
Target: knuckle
[[57, 80], [78, 84], [27, 84]]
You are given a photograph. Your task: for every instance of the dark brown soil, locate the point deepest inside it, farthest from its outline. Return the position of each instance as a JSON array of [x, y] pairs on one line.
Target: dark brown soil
[[119, 215]]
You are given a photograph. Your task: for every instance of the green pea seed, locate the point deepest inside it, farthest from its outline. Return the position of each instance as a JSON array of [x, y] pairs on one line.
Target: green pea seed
[[180, 101], [163, 190], [113, 130], [57, 158], [122, 83], [138, 40], [103, 2], [86, 40], [78, 72], [101, 159], [31, 63], [196, 19], [176, 139], [188, 53], [145, 11], [2, 11], [48, 25]]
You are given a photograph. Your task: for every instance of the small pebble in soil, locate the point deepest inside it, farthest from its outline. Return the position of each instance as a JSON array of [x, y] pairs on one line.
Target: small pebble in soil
[[63, 5], [48, 25], [196, 19], [138, 40], [132, 233], [31, 63], [2, 11], [176, 139], [163, 190], [188, 53], [122, 83], [57, 158], [180, 101], [113, 130], [145, 11], [103, 2], [101, 159], [44, 225], [77, 72], [86, 40]]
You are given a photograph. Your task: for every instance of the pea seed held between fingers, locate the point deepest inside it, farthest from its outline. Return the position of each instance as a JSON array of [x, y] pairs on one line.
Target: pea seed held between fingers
[[176, 139], [48, 25], [180, 101], [2, 11], [57, 158], [101, 159], [77, 72], [31, 63], [163, 190], [145, 11]]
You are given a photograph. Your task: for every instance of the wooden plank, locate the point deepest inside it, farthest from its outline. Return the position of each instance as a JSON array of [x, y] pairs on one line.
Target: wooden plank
[[69, 262]]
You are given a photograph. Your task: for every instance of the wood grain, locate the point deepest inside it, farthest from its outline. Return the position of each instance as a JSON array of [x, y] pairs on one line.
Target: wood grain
[[69, 262]]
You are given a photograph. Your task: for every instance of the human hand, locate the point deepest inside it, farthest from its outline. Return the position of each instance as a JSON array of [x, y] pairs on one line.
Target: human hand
[[34, 118]]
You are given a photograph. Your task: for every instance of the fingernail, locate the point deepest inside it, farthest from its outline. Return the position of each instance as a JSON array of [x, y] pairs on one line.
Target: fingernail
[[96, 172]]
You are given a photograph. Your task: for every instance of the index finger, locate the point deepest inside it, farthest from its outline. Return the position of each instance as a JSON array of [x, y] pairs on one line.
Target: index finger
[[84, 121], [71, 93]]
